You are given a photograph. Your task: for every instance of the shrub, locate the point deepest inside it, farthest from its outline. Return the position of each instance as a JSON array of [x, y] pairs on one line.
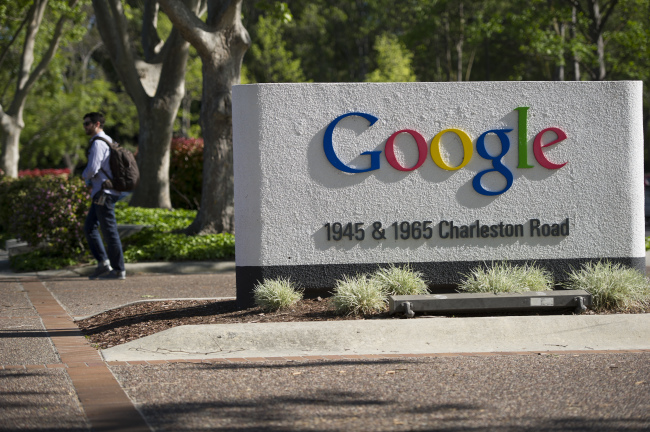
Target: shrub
[[162, 219], [40, 260], [359, 295], [159, 242], [503, 277], [46, 209], [152, 244], [185, 172], [612, 286], [400, 281], [273, 295]]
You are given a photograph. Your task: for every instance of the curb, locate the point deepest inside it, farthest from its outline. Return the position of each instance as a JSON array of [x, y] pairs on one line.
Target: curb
[[384, 337], [175, 267]]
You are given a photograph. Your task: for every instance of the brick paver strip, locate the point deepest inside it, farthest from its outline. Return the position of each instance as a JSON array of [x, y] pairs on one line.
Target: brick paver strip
[[106, 405]]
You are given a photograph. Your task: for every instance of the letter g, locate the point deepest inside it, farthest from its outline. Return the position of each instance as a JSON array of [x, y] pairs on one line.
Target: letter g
[[328, 146]]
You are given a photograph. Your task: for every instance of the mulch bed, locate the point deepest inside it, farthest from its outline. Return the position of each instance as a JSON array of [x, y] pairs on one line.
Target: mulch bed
[[142, 319]]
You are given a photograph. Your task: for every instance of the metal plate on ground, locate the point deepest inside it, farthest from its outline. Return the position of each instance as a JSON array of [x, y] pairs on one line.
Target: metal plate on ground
[[491, 302]]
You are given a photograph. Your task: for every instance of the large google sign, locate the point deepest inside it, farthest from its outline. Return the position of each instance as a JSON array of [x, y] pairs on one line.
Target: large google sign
[[465, 139]]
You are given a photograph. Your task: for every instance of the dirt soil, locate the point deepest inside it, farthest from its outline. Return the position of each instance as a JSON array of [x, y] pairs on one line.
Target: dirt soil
[[142, 319]]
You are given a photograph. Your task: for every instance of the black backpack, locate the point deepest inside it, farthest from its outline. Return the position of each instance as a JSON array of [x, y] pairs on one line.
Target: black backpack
[[123, 166]]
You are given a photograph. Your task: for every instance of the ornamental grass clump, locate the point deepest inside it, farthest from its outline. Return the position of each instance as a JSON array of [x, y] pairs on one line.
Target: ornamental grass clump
[[612, 286], [400, 281], [359, 295], [506, 278], [275, 294]]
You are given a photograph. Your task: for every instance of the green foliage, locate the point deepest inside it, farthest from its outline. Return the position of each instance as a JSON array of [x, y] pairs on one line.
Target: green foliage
[[612, 286], [161, 219], [53, 135], [279, 11], [276, 294], [393, 61], [647, 243], [334, 38], [41, 260], [271, 60], [185, 172], [159, 242], [506, 278], [151, 244], [13, 43], [359, 295], [47, 210], [400, 281]]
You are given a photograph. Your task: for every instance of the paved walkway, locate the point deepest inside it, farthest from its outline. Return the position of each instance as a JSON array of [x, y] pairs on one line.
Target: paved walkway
[[51, 378]]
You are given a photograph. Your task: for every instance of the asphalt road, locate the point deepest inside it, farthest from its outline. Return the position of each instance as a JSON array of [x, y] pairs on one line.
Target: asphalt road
[[573, 392]]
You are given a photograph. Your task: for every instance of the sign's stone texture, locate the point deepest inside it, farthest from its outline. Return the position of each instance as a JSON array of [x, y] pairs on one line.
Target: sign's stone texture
[[334, 179]]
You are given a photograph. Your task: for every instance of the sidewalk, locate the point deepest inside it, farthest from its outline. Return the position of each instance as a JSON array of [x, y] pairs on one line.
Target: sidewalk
[[51, 376]]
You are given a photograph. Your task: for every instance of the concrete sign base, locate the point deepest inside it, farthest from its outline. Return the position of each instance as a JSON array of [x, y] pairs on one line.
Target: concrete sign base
[[340, 179]]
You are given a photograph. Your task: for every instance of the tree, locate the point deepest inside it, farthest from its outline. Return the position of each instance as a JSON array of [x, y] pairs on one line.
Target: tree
[[11, 119], [270, 60], [393, 61], [156, 87], [221, 42]]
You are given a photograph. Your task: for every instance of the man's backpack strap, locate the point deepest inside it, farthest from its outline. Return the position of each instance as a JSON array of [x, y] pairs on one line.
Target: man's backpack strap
[[110, 148]]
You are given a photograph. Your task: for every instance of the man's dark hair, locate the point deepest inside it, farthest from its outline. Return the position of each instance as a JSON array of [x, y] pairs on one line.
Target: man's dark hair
[[96, 117]]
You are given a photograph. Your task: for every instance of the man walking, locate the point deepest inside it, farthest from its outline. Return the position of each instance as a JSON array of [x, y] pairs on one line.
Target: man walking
[[102, 209]]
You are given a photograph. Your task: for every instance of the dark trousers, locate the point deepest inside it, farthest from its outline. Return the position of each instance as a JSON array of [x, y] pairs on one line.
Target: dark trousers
[[104, 217]]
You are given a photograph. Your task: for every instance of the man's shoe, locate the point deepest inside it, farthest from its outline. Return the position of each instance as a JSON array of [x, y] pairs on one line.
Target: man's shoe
[[114, 275], [100, 270]]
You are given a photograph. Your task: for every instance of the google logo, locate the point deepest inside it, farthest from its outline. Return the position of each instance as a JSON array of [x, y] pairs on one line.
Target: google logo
[[434, 150]]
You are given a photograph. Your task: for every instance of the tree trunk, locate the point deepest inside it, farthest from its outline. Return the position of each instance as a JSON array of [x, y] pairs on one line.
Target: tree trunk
[[598, 36], [10, 152], [223, 69], [487, 59], [445, 18], [156, 127], [560, 29], [600, 48], [221, 42], [459, 44], [470, 63], [186, 108], [574, 34]]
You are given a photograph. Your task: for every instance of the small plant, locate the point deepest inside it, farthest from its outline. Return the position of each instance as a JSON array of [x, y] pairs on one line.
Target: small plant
[[612, 286], [401, 281], [359, 295], [503, 277], [276, 294]]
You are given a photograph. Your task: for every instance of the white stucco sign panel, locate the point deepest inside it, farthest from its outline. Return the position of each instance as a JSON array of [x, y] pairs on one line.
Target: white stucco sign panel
[[329, 176]]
